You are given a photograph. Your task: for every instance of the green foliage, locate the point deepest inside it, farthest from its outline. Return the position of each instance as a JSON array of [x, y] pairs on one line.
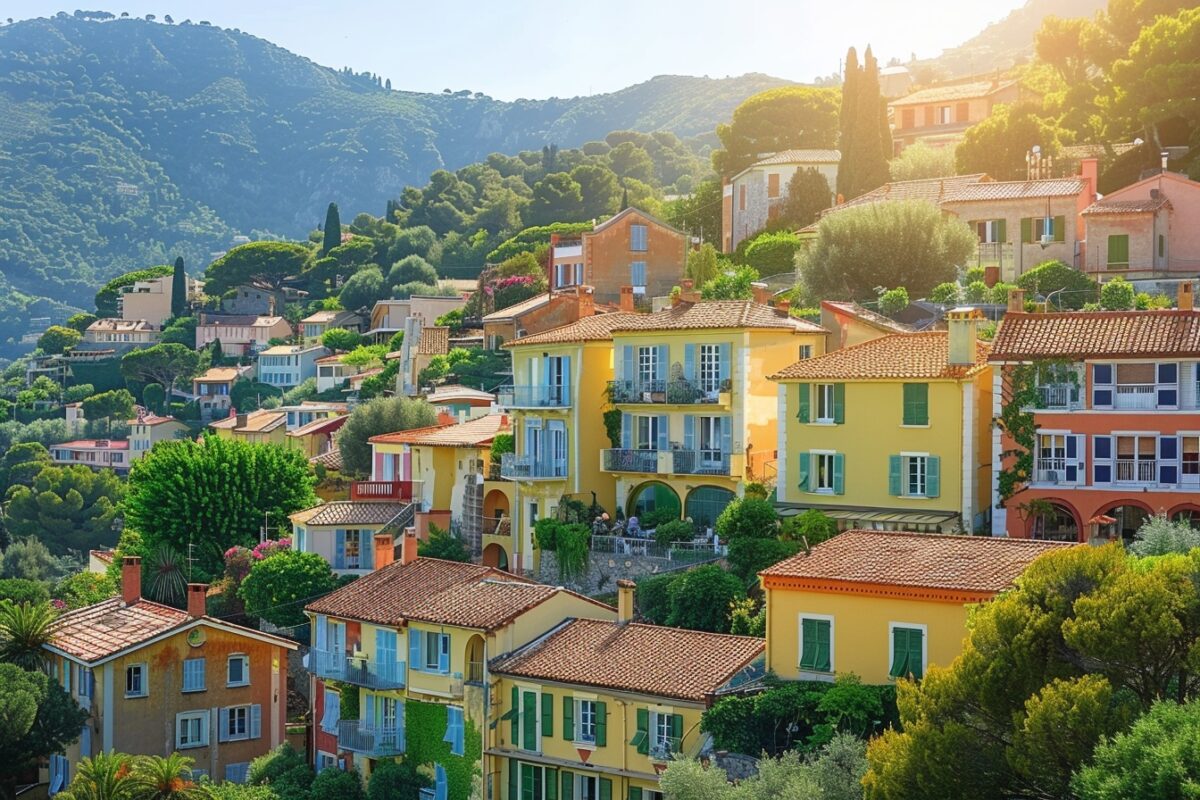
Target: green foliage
[[699, 213], [84, 589], [746, 620], [654, 597], [702, 599], [283, 769], [266, 265], [999, 143], [21, 463], [37, 718], [29, 559], [332, 229], [908, 244], [1157, 759], [25, 630], [675, 530], [786, 118], [81, 321], [1069, 287], [998, 294], [976, 292], [947, 293], [444, 545], [1148, 84], [502, 443], [731, 285], [893, 301], [921, 161], [1117, 295], [213, 495], [771, 253], [381, 415], [249, 395], [337, 784], [865, 139], [529, 239], [702, 264], [364, 289], [1159, 536], [20, 590], [750, 527], [412, 269], [58, 339], [76, 393], [278, 588], [108, 406], [812, 526], [162, 363], [154, 396], [106, 298], [396, 780], [425, 730], [68, 508], [808, 194], [181, 330], [178, 288], [612, 426]]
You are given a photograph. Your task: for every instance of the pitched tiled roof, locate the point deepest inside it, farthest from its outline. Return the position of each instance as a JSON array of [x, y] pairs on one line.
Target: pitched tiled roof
[[451, 392], [219, 375], [472, 433], [152, 419], [932, 190], [95, 444], [930, 561], [114, 324], [956, 91], [436, 591], [1097, 334], [517, 309], [435, 341], [708, 314], [259, 421], [596, 328], [1015, 190], [1135, 206], [872, 318], [919, 356], [631, 657], [321, 425], [95, 632], [289, 349], [800, 157], [331, 459], [103, 556], [631, 210], [350, 512]]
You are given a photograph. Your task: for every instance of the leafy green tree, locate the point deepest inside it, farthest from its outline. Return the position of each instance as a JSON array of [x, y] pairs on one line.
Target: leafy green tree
[[364, 289], [178, 289], [702, 264], [808, 194], [699, 213], [20, 590], [278, 587], [629, 161], [1157, 759], [750, 527], [266, 265], [416, 241], [42, 389], [25, 630], [29, 559], [392, 780], [338, 784], [106, 298], [154, 397], [773, 252], [333, 229], [812, 526], [78, 392], [382, 415], [893, 301], [214, 495], [341, 339], [1069, 288], [21, 463], [108, 406], [249, 395], [731, 284], [84, 588], [947, 293], [81, 321], [998, 144], [163, 364], [37, 718], [556, 198], [165, 778], [444, 545], [702, 599], [786, 118], [907, 243], [57, 340], [1159, 536], [412, 269], [921, 161], [1149, 84], [181, 330], [1117, 295], [68, 508], [866, 143], [600, 190]]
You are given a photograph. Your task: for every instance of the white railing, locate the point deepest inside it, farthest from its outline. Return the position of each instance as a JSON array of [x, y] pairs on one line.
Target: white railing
[[1051, 470], [1138, 396], [1136, 470], [685, 552], [1058, 395]]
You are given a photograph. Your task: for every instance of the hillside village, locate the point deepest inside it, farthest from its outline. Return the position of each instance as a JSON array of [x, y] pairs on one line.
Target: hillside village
[[867, 467]]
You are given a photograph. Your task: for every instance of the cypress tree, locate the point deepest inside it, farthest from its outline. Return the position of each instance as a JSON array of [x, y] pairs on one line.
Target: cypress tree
[[871, 167], [846, 123], [178, 289], [624, 199], [333, 229]]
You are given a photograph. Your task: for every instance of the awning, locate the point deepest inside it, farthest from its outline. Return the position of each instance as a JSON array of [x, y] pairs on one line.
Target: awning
[[867, 516]]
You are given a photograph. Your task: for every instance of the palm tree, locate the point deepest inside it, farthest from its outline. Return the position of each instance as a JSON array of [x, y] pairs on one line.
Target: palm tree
[[105, 776], [170, 778], [24, 632], [167, 584]]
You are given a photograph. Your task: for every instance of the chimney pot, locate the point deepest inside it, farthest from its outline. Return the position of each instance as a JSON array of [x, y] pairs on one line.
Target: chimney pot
[[963, 336], [1016, 301], [385, 550], [408, 547], [131, 579], [686, 284], [625, 605], [1186, 298], [627, 299], [197, 596], [784, 306], [761, 293]]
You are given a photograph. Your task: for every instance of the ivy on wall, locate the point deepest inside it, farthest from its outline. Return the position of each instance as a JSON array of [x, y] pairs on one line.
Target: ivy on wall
[[1016, 417], [425, 732]]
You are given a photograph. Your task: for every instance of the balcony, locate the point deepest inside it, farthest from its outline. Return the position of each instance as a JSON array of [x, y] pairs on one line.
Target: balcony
[[1059, 396], [668, 462], [374, 674], [679, 391], [328, 664], [1135, 470], [544, 396], [700, 462], [625, 460], [518, 467], [402, 491], [1136, 397], [1051, 470], [371, 740]]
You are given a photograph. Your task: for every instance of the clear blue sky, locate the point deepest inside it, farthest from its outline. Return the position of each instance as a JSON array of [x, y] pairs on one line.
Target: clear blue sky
[[537, 48]]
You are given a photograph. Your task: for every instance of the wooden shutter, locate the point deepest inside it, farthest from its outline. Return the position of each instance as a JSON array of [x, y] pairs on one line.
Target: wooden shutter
[[805, 458], [255, 721], [808, 643], [1026, 230], [803, 402], [894, 484], [689, 432], [676, 733], [339, 553], [415, 661], [916, 404], [916, 661], [723, 362], [514, 786], [223, 724], [839, 473], [641, 739], [568, 717], [839, 403], [626, 373], [626, 431], [662, 363], [824, 645], [635, 793], [1118, 250], [664, 428], [515, 719], [444, 653], [601, 723], [547, 714], [529, 712], [900, 652], [605, 789], [568, 785], [1002, 230], [933, 476], [551, 783], [726, 434], [1060, 229], [322, 622], [689, 362]]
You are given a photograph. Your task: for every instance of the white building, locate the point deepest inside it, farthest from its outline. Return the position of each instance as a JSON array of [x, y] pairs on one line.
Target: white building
[[288, 365], [755, 194]]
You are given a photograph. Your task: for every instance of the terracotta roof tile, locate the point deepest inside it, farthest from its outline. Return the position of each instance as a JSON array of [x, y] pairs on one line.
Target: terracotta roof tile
[[1098, 334], [898, 356], [930, 561], [260, 421], [451, 392], [517, 309], [872, 318], [219, 375], [631, 211], [800, 157], [330, 460], [350, 512], [932, 190], [671, 662], [956, 91], [115, 324], [153, 419], [709, 314], [94, 632], [103, 556], [596, 328], [436, 591], [1135, 206], [320, 425], [435, 341], [1015, 190], [472, 433]]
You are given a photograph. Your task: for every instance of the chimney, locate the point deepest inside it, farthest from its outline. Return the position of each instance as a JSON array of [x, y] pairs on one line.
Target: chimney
[[408, 546], [761, 293], [240, 420], [625, 589], [963, 324], [686, 285], [783, 307], [627, 299], [131, 579], [1016, 301], [585, 301], [197, 594], [1184, 300], [1089, 170], [1165, 157], [385, 550]]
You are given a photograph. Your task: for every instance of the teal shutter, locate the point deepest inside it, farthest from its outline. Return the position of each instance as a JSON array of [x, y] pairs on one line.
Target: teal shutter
[[605, 789], [444, 653], [515, 719], [689, 432], [568, 717], [635, 793], [366, 549], [641, 739], [894, 486], [1002, 230], [916, 661], [547, 714], [839, 473], [662, 363], [529, 713], [1060, 229], [368, 714], [899, 653], [726, 435], [339, 549], [803, 402], [808, 644], [414, 650], [664, 428], [551, 783], [839, 403], [824, 647], [805, 458], [723, 362], [601, 723], [568, 785], [676, 733], [916, 404], [933, 476], [514, 790], [689, 362], [626, 431]]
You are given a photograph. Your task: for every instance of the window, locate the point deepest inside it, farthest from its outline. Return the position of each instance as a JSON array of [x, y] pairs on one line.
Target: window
[[238, 671], [237, 723], [526, 731], [805, 351], [1118, 251], [455, 729], [647, 365], [441, 784], [586, 787], [990, 231], [647, 432], [908, 118], [236, 773], [193, 675], [661, 740], [1043, 226], [637, 238], [773, 185], [943, 115], [816, 644], [430, 651], [529, 781], [331, 713], [85, 685], [710, 368], [585, 721], [825, 402], [191, 729], [637, 276], [916, 404], [326, 761], [353, 549], [711, 442], [135, 681], [914, 475], [823, 471], [907, 651], [1102, 385]]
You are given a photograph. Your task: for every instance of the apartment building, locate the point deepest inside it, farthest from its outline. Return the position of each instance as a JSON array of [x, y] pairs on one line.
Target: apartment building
[[289, 365], [240, 334]]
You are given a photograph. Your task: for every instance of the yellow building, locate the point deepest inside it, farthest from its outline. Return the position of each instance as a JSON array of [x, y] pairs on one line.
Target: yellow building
[[893, 432], [415, 638], [258, 427], [596, 708], [698, 414], [883, 604], [148, 430], [557, 399]]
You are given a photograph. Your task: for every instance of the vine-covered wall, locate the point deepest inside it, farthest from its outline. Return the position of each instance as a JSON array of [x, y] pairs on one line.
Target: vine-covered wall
[[425, 732]]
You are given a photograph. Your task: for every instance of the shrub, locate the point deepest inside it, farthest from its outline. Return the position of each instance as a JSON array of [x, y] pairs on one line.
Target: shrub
[[702, 599], [946, 293], [545, 533], [1117, 295], [393, 780], [812, 526], [893, 301], [773, 253], [747, 518], [1000, 292], [21, 590], [654, 597], [278, 588], [676, 530], [972, 274], [337, 784], [1159, 536], [341, 339], [442, 544], [976, 292], [1070, 287]]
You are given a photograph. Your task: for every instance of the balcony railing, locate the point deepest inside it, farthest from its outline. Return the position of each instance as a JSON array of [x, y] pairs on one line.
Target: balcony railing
[[544, 396], [1136, 470], [328, 664], [371, 740], [679, 391], [695, 551], [700, 462], [1051, 470], [1136, 396], [516, 467], [627, 460], [475, 672], [995, 254], [1059, 395], [385, 490], [375, 674]]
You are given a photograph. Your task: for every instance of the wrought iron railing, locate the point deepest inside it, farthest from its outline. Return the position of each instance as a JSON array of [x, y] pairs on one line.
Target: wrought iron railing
[[515, 467], [369, 739], [630, 460], [679, 391], [700, 462], [540, 396]]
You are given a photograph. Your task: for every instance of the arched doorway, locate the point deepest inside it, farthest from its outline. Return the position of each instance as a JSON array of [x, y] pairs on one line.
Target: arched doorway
[[1187, 514], [494, 556], [474, 659], [705, 504], [1054, 522], [654, 502], [1126, 521]]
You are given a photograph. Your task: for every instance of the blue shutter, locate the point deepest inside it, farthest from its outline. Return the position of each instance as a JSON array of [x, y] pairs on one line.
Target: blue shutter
[[933, 476], [664, 428], [1102, 385], [626, 363], [689, 432], [414, 650], [366, 549], [369, 709], [627, 431], [441, 788], [1168, 460], [839, 473], [894, 485], [339, 549], [1102, 459], [723, 351], [1074, 456], [689, 362], [662, 362], [444, 653], [566, 378], [255, 721], [726, 435], [223, 724]]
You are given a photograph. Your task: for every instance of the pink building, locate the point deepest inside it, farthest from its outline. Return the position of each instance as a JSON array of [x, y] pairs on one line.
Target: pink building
[[94, 453], [1147, 229]]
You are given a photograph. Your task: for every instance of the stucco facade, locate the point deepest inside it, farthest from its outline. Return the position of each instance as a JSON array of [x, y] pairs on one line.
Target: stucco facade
[[633, 249], [1146, 229]]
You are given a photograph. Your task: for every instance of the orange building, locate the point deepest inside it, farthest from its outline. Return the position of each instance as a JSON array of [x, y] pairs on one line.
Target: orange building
[[938, 115], [156, 680], [1116, 405], [633, 249]]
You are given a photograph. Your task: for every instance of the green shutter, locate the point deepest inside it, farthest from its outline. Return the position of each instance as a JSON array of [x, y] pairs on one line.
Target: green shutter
[[916, 404], [635, 793], [568, 712], [839, 473], [1002, 230], [1060, 229], [601, 724], [805, 458], [916, 655], [547, 714], [551, 784], [641, 739], [605, 789], [568, 785], [899, 653], [933, 476], [894, 486], [1026, 230], [824, 645], [808, 644], [839, 403], [529, 711], [516, 715], [804, 397], [1118, 250], [514, 767], [676, 733]]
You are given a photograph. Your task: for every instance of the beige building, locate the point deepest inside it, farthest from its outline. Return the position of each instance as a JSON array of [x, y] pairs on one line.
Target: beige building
[[755, 195], [240, 334], [938, 115], [128, 333], [151, 300], [314, 325], [388, 316]]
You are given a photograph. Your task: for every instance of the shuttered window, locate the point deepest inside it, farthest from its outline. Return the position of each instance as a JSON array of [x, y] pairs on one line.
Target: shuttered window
[[916, 404], [908, 652], [1118, 251], [816, 649]]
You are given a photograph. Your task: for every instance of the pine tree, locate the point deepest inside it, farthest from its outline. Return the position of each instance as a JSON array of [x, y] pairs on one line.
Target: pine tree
[[333, 229], [846, 122], [178, 289]]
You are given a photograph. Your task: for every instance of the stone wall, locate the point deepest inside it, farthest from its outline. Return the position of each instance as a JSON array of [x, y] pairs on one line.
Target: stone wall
[[604, 570]]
